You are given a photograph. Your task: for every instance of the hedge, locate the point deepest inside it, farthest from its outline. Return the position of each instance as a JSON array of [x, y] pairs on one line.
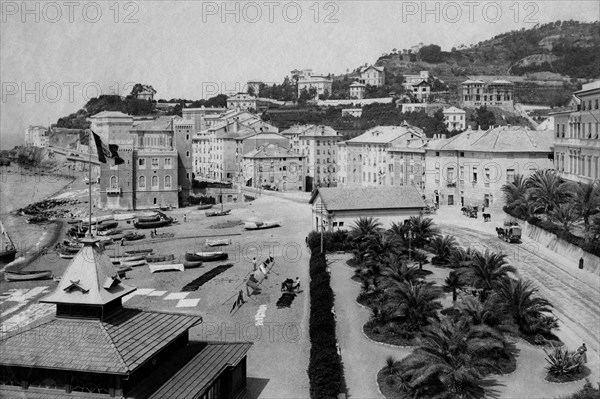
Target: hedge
[[325, 365], [591, 247]]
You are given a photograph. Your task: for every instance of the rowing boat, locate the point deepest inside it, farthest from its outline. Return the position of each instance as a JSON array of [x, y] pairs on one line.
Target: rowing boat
[[139, 251], [134, 263], [160, 258], [205, 256], [261, 225], [205, 206], [154, 224], [192, 265], [121, 259], [218, 213], [32, 275], [216, 243], [66, 255], [164, 268]]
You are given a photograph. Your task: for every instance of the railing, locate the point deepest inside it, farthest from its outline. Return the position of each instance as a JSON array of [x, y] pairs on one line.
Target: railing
[[113, 191]]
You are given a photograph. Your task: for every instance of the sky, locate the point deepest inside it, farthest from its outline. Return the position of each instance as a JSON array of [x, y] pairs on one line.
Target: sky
[[54, 56]]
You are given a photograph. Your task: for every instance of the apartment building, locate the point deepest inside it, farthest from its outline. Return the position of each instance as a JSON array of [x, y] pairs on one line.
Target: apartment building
[[36, 136], [357, 90], [242, 101], [372, 75], [471, 167], [486, 92], [308, 80], [455, 118], [577, 136], [274, 167]]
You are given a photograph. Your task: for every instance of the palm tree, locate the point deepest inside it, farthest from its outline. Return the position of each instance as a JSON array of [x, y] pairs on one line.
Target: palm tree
[[451, 359], [423, 229], [490, 313], [416, 302], [453, 283], [398, 271], [460, 258], [364, 231], [586, 203], [515, 194], [547, 190], [566, 215], [527, 309], [487, 271], [442, 247]]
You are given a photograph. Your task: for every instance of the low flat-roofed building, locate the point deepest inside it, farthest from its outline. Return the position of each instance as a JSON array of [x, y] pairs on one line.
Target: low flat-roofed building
[[338, 208]]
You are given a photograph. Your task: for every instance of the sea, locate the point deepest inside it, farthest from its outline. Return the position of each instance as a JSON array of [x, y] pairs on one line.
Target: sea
[[19, 186]]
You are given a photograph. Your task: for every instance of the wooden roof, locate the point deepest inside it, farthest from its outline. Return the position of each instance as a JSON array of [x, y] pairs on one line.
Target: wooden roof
[[197, 375], [14, 392], [116, 345], [369, 198]]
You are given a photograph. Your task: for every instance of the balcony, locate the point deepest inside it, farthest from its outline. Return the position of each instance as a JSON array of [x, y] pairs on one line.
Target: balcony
[[113, 191]]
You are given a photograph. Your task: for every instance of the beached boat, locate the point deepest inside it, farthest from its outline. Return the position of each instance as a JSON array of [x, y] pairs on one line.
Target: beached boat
[[69, 250], [153, 225], [139, 251], [217, 243], [134, 263], [66, 255], [32, 275], [112, 232], [124, 216], [261, 225], [107, 226], [72, 243], [205, 256], [164, 268], [192, 265], [205, 206], [8, 254], [160, 258], [133, 236], [100, 219], [74, 221], [145, 219], [121, 259], [218, 213], [122, 270]]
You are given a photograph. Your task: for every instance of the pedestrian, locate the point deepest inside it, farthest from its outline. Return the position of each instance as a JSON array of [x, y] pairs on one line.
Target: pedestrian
[[582, 353], [122, 242], [254, 264], [155, 232], [151, 233], [297, 284], [185, 218], [239, 301]]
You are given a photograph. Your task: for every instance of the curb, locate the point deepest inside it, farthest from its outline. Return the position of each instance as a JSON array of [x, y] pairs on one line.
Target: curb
[[383, 343]]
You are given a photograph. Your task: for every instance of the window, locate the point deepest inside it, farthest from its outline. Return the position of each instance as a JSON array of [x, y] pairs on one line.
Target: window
[[155, 162], [167, 181], [437, 153], [450, 175], [142, 182], [437, 173], [474, 175], [187, 154], [167, 162], [510, 175], [154, 181], [114, 182], [462, 154], [187, 137], [462, 173], [142, 162]]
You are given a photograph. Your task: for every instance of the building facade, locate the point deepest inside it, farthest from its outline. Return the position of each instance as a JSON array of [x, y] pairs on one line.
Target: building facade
[[373, 76], [357, 90], [274, 167], [319, 145], [455, 119], [320, 83], [383, 156], [577, 136], [112, 126], [36, 136], [471, 167], [243, 102], [486, 92]]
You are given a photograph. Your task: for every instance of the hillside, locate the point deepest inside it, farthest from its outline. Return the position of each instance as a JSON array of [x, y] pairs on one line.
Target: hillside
[[568, 48]]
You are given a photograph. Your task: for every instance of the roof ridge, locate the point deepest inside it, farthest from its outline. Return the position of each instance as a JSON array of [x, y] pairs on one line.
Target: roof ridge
[[112, 343]]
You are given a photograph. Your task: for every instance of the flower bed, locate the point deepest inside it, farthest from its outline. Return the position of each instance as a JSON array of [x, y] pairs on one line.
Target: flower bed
[[583, 373], [384, 335]]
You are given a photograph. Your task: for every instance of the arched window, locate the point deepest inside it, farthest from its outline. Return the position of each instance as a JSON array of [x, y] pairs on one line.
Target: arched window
[[154, 181], [167, 181], [114, 182], [142, 182]]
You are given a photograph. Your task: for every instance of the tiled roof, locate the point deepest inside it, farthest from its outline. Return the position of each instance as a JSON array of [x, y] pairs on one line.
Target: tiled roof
[[453, 110], [369, 198], [160, 123], [111, 114], [116, 345], [197, 375], [90, 279], [272, 151], [385, 134], [358, 84], [318, 131], [500, 139], [14, 392]]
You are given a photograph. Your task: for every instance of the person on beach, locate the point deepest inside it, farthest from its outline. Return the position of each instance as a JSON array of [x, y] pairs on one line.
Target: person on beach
[[582, 353], [297, 284], [185, 218], [122, 242], [239, 301], [254, 264]]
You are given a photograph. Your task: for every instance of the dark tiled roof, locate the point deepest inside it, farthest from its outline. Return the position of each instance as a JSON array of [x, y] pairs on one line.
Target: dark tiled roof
[[14, 392], [117, 345], [196, 376], [369, 198]]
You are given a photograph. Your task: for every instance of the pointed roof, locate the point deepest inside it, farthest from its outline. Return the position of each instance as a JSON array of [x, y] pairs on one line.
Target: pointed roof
[[90, 279], [453, 110]]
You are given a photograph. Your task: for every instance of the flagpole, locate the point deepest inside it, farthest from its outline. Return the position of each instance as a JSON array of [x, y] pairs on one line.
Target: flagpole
[[90, 181]]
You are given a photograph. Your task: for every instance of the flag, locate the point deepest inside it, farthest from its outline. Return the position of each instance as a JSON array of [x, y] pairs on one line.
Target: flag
[[107, 151]]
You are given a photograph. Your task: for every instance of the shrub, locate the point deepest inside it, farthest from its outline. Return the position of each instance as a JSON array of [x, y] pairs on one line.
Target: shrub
[[562, 362]]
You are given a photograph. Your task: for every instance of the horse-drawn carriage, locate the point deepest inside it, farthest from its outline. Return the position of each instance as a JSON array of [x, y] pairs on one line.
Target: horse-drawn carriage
[[470, 211], [510, 233]]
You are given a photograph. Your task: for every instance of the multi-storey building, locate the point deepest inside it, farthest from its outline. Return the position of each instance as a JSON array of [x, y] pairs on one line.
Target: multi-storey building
[[471, 167], [577, 136], [321, 83], [242, 101], [488, 92], [112, 126], [36, 136], [274, 167], [455, 118], [149, 176], [319, 145], [372, 75], [410, 80], [384, 155], [357, 90]]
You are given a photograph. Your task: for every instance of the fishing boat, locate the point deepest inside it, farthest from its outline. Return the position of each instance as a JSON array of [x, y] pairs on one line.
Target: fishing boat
[[107, 226], [139, 251], [160, 258], [164, 268], [67, 255], [221, 212], [112, 232], [72, 243], [145, 219], [261, 225], [192, 264], [8, 251], [121, 259], [69, 250], [133, 236], [73, 221], [32, 275], [218, 243], [205, 256], [134, 263], [100, 219], [205, 206], [153, 225]]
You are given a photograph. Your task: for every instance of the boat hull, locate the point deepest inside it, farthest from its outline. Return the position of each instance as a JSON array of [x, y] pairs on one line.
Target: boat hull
[[24, 276], [8, 256], [206, 256], [160, 258], [260, 225], [203, 207], [152, 225], [218, 213], [192, 265]]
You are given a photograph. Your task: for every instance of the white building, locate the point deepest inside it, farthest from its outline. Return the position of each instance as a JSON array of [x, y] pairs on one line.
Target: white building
[[242, 102], [36, 136], [384, 155], [321, 83], [357, 90], [455, 118], [471, 167], [339, 208], [112, 126], [372, 75], [355, 112]]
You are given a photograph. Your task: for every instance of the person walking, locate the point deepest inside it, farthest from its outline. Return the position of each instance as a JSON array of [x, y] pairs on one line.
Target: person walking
[[185, 218], [239, 301], [254, 264], [582, 353]]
